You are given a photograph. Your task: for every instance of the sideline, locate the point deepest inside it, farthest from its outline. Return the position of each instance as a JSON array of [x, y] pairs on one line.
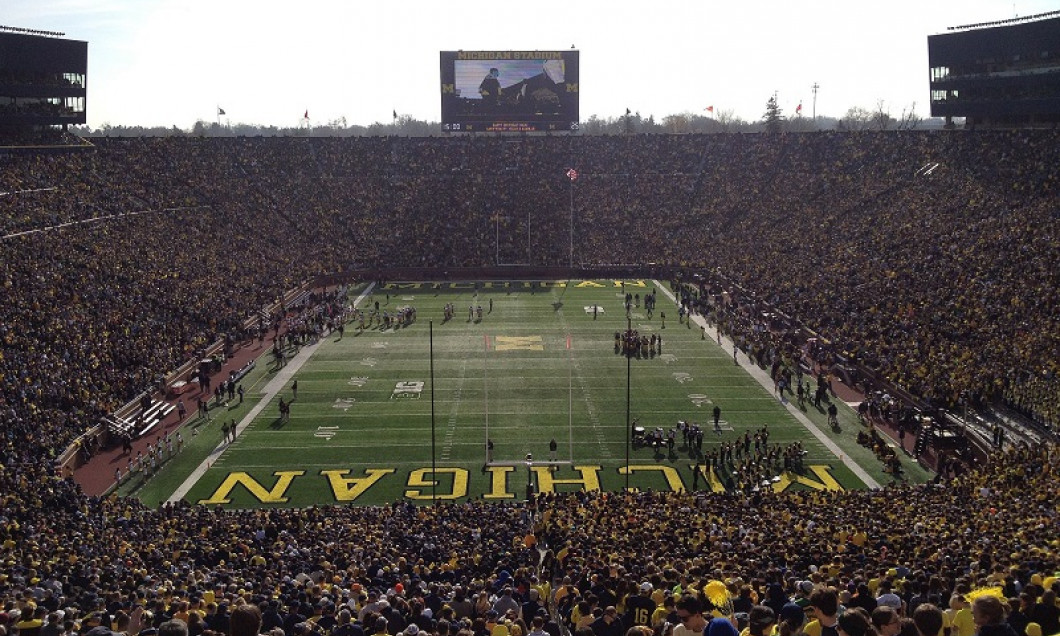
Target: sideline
[[767, 383], [271, 389]]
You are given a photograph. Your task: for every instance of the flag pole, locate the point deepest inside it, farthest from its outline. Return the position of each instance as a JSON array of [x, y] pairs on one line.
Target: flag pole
[[571, 265], [572, 174]]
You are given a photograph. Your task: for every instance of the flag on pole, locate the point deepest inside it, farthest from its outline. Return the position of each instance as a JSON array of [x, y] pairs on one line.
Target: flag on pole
[[395, 114], [220, 111], [798, 109], [628, 111], [709, 109], [572, 174], [306, 115]]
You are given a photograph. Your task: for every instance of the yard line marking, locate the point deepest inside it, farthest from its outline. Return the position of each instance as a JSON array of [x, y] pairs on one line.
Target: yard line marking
[[454, 412]]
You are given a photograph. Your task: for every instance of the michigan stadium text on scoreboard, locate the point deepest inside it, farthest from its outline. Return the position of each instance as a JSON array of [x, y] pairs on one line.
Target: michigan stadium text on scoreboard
[[509, 91]]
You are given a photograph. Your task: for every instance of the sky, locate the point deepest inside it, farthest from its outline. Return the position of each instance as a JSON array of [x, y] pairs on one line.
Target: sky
[[265, 62]]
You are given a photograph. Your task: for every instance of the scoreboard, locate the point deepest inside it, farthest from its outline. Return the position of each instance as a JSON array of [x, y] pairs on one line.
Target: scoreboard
[[509, 91]]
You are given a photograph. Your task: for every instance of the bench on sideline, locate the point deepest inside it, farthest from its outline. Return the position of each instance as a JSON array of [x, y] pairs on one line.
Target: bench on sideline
[[138, 426]]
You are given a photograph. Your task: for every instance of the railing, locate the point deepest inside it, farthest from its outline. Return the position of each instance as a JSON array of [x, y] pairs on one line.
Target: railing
[[501, 273]]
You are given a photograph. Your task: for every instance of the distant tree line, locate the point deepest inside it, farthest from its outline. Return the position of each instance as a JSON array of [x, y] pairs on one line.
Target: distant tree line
[[773, 121]]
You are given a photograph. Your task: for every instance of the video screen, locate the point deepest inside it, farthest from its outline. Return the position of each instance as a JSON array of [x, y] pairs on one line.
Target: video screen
[[509, 91]]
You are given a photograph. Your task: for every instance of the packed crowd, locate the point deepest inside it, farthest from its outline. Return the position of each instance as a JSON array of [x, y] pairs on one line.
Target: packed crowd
[[932, 257], [77, 562]]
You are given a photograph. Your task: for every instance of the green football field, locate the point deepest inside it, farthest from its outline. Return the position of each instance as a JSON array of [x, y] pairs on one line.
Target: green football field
[[369, 426]]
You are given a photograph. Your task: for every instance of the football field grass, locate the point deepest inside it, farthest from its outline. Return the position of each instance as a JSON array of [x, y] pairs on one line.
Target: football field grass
[[369, 426]]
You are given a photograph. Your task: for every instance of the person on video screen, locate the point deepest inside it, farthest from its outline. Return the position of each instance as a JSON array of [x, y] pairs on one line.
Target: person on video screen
[[490, 88]]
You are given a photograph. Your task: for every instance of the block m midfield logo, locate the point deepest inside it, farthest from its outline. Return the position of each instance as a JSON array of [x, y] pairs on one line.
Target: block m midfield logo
[[516, 343]]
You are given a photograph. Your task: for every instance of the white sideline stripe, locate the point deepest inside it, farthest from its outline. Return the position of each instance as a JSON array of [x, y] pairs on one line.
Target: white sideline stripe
[[271, 389], [767, 384], [302, 432]]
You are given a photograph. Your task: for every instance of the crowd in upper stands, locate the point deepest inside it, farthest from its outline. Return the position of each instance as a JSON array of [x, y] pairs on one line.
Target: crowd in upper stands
[[931, 257]]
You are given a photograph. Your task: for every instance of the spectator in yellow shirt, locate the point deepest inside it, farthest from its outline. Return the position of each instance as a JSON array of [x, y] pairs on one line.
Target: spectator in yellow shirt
[[959, 617]]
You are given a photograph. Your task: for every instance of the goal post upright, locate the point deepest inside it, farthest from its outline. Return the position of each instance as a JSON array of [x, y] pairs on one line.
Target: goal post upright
[[570, 395]]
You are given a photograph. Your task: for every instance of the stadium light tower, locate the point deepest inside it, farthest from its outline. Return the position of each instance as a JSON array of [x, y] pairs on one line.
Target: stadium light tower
[[529, 476], [814, 88], [629, 330], [434, 446]]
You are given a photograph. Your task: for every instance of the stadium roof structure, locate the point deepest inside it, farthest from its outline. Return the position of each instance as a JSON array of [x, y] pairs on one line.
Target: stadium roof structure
[[43, 79], [998, 74]]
